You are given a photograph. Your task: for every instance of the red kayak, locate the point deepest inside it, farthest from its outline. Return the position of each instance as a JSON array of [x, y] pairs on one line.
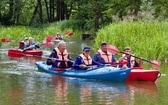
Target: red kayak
[[20, 53], [5, 40], [139, 74], [47, 44]]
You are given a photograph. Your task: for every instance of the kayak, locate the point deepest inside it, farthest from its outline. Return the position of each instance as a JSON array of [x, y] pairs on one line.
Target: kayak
[[107, 73], [57, 40], [140, 74], [19, 53], [5, 40], [47, 44]]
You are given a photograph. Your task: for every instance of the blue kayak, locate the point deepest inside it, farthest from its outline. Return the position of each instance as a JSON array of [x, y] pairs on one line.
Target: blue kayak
[[101, 73]]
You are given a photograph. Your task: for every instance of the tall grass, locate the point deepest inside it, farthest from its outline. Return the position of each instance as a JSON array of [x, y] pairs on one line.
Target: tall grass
[[147, 39], [40, 31]]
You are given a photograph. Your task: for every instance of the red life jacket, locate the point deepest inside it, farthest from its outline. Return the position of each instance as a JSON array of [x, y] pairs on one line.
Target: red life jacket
[[106, 56], [87, 61], [62, 56]]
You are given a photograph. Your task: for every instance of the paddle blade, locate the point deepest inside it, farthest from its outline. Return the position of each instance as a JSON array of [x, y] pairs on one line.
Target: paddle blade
[[155, 64], [47, 44], [68, 33], [5, 40], [113, 49], [49, 38], [14, 53]]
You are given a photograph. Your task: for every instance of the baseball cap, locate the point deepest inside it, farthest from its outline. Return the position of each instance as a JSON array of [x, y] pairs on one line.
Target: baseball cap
[[103, 43], [86, 48]]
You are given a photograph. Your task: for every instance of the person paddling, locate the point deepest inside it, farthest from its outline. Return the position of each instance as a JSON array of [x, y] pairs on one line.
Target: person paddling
[[58, 36], [23, 43], [83, 61], [31, 45], [103, 56], [60, 58], [131, 62]]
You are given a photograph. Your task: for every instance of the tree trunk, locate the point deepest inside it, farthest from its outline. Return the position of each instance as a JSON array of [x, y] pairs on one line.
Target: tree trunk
[[58, 10], [51, 10], [34, 14], [47, 10], [10, 13], [40, 11], [16, 12], [62, 11]]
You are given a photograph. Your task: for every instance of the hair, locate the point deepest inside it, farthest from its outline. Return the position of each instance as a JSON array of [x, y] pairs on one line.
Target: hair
[[30, 38], [127, 48], [61, 43]]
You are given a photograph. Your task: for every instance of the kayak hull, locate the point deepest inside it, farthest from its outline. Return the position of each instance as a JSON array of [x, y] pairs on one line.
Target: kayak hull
[[139, 74], [18, 53], [99, 73], [5, 40]]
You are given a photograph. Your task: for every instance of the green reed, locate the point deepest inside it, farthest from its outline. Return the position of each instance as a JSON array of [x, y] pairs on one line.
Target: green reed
[[38, 32], [146, 38]]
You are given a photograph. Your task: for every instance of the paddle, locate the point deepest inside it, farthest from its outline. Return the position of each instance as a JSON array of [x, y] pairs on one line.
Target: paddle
[[68, 33], [114, 50], [19, 54], [5, 40]]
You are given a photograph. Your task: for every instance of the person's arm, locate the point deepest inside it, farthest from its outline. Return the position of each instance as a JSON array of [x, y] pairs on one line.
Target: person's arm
[[52, 55], [77, 62], [37, 45], [122, 58], [96, 63], [114, 59], [140, 62], [96, 57]]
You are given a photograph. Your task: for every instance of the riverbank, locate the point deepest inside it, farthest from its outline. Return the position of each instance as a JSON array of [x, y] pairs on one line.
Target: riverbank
[[147, 39]]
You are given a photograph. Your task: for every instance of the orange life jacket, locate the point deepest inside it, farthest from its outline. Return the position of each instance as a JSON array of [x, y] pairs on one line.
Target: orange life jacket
[[87, 61], [132, 59], [62, 56], [106, 56]]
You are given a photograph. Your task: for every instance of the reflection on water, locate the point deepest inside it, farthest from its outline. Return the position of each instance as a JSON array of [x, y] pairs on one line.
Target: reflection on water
[[86, 91]]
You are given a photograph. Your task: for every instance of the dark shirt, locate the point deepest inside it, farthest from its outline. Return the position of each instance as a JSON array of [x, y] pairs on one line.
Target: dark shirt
[[36, 46]]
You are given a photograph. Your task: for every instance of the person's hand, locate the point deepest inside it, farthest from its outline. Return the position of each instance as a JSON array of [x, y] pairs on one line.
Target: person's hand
[[124, 67], [66, 60], [82, 66], [53, 59]]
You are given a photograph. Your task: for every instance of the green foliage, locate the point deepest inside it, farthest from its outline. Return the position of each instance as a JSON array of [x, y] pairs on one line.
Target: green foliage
[[39, 31], [146, 38], [161, 9]]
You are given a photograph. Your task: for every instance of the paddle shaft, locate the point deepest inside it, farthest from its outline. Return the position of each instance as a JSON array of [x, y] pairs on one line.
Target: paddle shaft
[[137, 57], [46, 57]]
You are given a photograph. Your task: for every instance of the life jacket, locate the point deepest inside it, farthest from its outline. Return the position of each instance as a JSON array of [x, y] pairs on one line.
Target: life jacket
[[87, 61], [132, 59], [62, 56], [106, 56], [21, 44]]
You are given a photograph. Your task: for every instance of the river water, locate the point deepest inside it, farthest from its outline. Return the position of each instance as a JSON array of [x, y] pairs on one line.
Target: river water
[[22, 84]]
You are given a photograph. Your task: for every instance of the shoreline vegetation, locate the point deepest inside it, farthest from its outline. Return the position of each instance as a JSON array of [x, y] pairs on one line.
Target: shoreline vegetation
[[146, 38]]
